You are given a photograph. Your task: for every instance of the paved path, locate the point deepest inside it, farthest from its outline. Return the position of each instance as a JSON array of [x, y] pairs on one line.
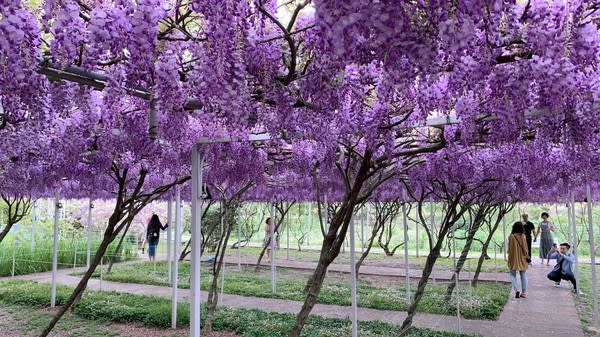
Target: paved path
[[547, 311], [367, 269]]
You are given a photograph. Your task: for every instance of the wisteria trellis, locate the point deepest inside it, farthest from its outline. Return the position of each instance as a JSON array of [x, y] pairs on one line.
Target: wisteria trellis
[[339, 85]]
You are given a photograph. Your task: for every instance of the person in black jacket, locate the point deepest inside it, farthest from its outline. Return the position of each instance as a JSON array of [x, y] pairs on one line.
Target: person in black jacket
[[529, 227], [153, 235]]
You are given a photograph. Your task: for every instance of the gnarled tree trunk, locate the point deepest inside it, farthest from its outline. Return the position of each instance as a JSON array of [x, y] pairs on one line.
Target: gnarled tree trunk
[[17, 208], [493, 225], [477, 220], [383, 212], [129, 204]]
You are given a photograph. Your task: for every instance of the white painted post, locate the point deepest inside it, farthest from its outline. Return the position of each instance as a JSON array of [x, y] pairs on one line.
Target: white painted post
[[88, 247], [169, 238], [76, 246], [239, 238], [196, 229], [405, 223], [57, 207], [456, 280], [353, 281], [101, 271], [575, 239], [588, 193], [310, 223], [432, 236], [223, 210], [272, 229], [176, 246], [362, 231], [504, 244], [14, 257], [495, 262], [34, 218], [287, 231], [417, 237], [469, 276], [431, 224]]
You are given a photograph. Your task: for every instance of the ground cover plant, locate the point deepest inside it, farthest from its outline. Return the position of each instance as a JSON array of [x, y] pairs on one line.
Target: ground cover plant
[[70, 253], [383, 293], [584, 301], [105, 307]]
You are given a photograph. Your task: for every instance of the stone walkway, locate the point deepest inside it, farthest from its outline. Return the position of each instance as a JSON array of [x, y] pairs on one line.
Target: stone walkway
[[367, 269], [548, 311]]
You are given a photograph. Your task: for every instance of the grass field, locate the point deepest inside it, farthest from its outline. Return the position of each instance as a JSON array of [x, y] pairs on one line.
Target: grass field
[[383, 293], [100, 308]]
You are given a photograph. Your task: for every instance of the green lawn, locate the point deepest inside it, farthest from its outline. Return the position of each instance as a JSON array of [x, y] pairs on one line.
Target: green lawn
[[384, 293], [105, 307], [584, 302]]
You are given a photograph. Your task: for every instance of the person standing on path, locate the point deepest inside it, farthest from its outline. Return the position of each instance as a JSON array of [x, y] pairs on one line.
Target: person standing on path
[[153, 235], [563, 270], [267, 240], [529, 228], [517, 259], [545, 230]]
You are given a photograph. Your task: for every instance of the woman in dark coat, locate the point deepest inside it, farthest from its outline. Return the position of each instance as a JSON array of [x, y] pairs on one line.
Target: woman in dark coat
[[153, 235]]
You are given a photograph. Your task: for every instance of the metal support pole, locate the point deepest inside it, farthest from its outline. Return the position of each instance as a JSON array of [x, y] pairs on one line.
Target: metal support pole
[[417, 237], [14, 257], [57, 207], [239, 238], [272, 230], [495, 262], [362, 231], [431, 224], [169, 237], [223, 265], [570, 221], [469, 276], [88, 247], [34, 218], [310, 223], [588, 193], [456, 280], [76, 246], [101, 271], [196, 229], [287, 234], [575, 239], [406, 269], [504, 243], [353, 281], [432, 234], [176, 257]]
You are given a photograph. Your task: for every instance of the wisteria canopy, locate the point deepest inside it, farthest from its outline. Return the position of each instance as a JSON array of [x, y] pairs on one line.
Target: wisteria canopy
[[361, 100], [323, 78]]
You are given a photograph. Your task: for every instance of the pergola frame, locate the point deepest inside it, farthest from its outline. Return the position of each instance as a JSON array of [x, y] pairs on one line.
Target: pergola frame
[[99, 81]]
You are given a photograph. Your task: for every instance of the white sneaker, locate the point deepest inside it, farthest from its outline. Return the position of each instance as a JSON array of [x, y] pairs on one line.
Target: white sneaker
[[557, 284]]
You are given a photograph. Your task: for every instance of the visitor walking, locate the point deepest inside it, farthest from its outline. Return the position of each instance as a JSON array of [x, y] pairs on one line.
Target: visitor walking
[[563, 269], [153, 235], [267, 240], [545, 230], [518, 259], [529, 228]]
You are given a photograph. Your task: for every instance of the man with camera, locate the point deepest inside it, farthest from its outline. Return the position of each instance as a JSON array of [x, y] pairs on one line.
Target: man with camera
[[563, 270]]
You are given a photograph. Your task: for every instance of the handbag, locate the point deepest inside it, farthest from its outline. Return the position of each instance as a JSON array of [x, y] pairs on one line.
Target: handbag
[[527, 258]]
